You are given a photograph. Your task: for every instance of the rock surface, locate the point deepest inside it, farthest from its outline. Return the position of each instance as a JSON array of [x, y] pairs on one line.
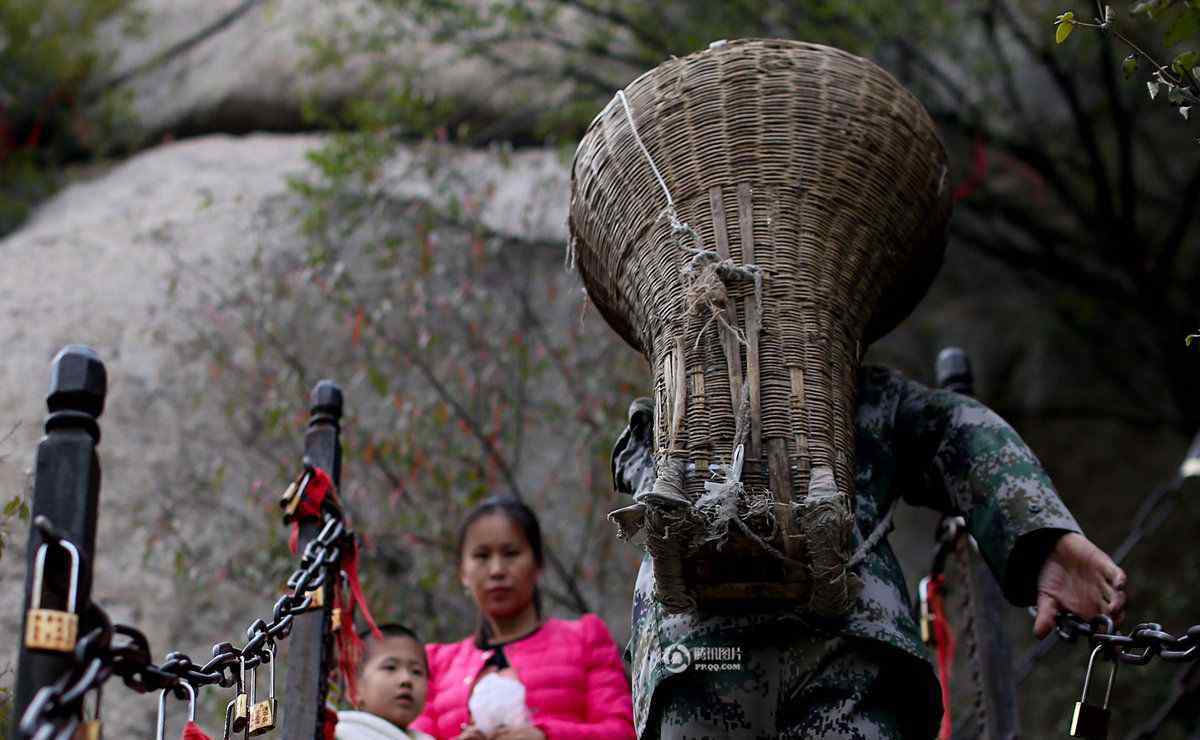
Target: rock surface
[[130, 263], [243, 65]]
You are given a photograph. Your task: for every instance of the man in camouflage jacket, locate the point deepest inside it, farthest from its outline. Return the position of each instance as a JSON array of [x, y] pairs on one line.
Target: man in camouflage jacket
[[785, 673]]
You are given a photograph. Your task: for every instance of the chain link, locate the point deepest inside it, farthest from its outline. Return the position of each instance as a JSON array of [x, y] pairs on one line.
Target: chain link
[[99, 655], [1143, 643]]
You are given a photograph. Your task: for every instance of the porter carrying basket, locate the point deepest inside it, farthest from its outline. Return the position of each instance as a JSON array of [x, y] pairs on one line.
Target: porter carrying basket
[[750, 218]]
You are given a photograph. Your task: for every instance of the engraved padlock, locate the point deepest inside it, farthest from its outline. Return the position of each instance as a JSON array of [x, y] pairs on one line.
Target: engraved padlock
[[1089, 720], [262, 713], [162, 708], [91, 729], [241, 702], [51, 629]]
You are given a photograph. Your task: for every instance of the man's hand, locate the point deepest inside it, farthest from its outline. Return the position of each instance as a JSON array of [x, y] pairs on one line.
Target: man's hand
[[1080, 578]]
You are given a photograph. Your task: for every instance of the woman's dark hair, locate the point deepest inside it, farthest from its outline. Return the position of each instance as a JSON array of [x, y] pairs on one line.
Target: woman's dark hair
[[523, 517]]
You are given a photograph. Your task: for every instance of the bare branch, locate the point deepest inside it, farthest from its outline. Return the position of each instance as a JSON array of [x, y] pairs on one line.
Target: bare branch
[[1083, 122]]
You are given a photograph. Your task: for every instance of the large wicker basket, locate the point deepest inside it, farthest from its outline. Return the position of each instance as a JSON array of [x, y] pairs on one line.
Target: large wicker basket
[[808, 209]]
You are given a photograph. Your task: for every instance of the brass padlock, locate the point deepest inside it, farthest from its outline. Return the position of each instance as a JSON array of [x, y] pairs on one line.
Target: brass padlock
[[317, 596], [262, 713], [241, 702], [51, 629], [1089, 720], [91, 729], [290, 500], [162, 709]]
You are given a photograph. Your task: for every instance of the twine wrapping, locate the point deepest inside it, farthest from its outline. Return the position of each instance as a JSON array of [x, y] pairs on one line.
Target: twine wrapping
[[706, 278]]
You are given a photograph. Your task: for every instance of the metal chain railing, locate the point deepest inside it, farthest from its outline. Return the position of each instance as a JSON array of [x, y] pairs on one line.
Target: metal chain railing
[[118, 650], [1143, 643], [1139, 646], [1149, 517]]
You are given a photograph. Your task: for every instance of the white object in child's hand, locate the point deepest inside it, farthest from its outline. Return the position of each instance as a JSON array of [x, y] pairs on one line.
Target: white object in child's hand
[[498, 701]]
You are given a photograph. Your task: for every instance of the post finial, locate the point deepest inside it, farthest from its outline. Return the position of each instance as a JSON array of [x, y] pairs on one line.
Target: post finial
[[78, 381], [954, 371], [327, 399]]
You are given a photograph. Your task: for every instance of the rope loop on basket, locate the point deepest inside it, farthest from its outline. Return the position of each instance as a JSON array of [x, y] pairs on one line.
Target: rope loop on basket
[[677, 225]]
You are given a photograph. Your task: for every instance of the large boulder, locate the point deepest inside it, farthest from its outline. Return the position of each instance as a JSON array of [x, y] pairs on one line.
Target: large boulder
[[132, 262], [204, 67]]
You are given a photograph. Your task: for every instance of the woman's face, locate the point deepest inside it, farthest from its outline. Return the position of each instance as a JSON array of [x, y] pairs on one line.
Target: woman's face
[[498, 566]]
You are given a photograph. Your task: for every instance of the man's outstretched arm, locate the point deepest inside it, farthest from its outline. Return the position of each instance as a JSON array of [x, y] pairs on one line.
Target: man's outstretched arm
[[956, 455]]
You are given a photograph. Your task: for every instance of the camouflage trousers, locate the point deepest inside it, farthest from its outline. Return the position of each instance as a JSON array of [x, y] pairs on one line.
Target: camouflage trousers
[[833, 688]]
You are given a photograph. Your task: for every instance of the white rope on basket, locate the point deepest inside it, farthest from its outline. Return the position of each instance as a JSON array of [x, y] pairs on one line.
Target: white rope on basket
[[671, 213]]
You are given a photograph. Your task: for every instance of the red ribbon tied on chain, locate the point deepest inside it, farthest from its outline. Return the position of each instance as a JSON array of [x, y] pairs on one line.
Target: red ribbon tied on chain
[[318, 488], [349, 645], [312, 498], [944, 648], [192, 731]]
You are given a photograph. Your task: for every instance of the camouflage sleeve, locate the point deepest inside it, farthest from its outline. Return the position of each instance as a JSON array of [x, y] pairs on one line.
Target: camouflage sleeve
[[956, 455]]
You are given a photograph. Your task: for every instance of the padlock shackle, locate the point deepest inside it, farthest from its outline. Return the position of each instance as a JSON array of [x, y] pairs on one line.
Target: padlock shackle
[[1112, 677], [1087, 677], [271, 652], [162, 708], [39, 568]]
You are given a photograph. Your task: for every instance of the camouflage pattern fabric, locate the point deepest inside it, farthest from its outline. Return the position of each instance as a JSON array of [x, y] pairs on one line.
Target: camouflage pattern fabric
[[791, 686], [932, 448]]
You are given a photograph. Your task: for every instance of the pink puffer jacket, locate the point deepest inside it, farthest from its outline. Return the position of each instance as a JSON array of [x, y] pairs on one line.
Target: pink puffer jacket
[[575, 684]]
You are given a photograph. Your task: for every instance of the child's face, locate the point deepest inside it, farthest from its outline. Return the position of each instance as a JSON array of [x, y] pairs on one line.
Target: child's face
[[394, 680]]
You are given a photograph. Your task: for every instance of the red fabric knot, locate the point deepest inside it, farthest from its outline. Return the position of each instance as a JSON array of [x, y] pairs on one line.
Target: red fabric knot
[[312, 498]]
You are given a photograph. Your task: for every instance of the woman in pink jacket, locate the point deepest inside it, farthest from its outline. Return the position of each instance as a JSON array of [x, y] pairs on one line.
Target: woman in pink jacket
[[568, 673]]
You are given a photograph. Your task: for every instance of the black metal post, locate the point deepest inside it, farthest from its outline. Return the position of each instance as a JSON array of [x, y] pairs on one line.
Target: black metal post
[[310, 647], [66, 492], [993, 649]]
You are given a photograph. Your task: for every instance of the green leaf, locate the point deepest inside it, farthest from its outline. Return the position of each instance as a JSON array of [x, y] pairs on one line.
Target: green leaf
[[13, 506], [1185, 62], [1185, 26], [1066, 24], [1129, 66], [1153, 88]]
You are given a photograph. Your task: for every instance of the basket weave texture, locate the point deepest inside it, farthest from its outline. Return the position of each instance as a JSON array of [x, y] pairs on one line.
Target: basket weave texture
[[815, 186]]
